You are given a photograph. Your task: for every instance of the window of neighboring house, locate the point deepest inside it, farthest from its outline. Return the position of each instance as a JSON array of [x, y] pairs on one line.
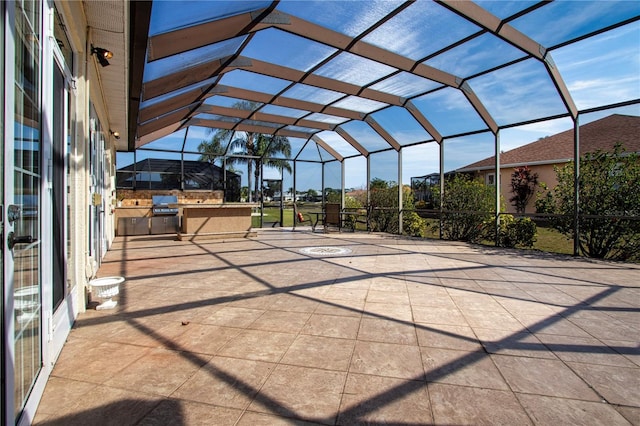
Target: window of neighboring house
[[490, 178]]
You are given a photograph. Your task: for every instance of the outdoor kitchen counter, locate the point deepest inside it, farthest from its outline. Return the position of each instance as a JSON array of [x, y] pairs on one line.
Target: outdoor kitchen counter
[[210, 221]]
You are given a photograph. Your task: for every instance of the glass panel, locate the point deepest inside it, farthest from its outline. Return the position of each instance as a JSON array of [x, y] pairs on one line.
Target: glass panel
[[27, 356], [60, 33], [355, 173], [338, 15], [365, 136], [296, 145], [191, 58], [307, 130], [216, 117], [300, 53], [401, 125], [421, 170], [463, 152], [355, 103], [172, 142], [561, 21], [252, 81], [261, 123], [515, 137], [305, 92], [197, 135], [310, 152], [354, 69], [198, 88], [449, 111], [420, 160], [405, 85], [341, 146], [324, 154], [284, 111], [384, 210], [477, 55], [308, 181], [421, 29], [604, 69], [166, 16], [384, 167], [324, 118], [518, 93], [124, 172], [225, 101], [333, 181]]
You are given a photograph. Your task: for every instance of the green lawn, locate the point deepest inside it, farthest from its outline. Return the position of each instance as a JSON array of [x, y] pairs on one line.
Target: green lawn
[[548, 239]]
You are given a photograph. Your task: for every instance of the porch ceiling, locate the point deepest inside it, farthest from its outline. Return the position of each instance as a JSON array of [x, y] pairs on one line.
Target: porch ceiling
[[307, 69]]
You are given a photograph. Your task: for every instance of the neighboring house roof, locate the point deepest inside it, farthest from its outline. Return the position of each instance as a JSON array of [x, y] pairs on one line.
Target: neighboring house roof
[[173, 166], [601, 134]]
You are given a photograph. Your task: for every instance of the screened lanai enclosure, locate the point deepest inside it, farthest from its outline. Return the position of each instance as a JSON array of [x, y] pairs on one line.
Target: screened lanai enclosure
[[345, 101]]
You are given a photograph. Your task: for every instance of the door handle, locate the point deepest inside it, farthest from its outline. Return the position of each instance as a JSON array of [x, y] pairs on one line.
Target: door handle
[[12, 240]]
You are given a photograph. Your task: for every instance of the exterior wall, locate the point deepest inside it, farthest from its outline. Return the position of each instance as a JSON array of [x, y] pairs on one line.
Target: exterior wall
[[82, 87], [546, 174], [142, 197]]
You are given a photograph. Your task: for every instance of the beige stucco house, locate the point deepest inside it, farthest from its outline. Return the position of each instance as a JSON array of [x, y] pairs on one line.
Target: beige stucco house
[[557, 150]]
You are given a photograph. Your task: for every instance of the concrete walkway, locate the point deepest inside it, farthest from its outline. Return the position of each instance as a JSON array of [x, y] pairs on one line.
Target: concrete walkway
[[304, 328]]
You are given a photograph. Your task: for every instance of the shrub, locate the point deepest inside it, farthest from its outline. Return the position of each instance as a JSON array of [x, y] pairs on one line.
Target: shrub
[[468, 209], [609, 186], [516, 232]]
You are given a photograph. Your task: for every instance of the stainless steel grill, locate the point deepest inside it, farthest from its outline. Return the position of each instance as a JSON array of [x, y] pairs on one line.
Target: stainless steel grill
[[161, 205]]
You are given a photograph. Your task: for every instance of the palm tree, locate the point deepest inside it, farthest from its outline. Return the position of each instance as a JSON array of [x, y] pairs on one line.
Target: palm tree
[[253, 149]]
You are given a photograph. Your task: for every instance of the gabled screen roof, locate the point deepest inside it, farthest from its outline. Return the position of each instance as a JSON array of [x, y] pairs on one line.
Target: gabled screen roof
[[361, 77]]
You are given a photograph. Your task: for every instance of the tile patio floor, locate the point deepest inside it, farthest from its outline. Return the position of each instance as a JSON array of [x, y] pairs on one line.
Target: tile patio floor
[[398, 331]]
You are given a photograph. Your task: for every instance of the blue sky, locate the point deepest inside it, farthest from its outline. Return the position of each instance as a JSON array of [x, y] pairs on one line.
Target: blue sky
[[600, 70]]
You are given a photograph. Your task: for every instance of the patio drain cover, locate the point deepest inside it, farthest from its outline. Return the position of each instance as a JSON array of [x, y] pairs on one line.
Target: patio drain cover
[[325, 251]]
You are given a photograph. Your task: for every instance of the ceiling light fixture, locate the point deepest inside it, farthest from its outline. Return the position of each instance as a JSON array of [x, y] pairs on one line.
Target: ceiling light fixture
[[115, 134], [102, 55]]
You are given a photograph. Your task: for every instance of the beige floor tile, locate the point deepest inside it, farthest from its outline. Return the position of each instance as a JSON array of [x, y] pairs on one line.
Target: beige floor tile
[[461, 368], [332, 326], [204, 339], [543, 377], [399, 298], [618, 385], [230, 316], [433, 315], [389, 360], [549, 411], [297, 317], [108, 407], [173, 412], [460, 405], [387, 331], [383, 400], [585, 350], [339, 307], [632, 414], [281, 321], [61, 396], [301, 393], [497, 320], [447, 337], [250, 418], [227, 382], [388, 311], [320, 352], [258, 345], [95, 362], [506, 342], [159, 371], [294, 303]]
